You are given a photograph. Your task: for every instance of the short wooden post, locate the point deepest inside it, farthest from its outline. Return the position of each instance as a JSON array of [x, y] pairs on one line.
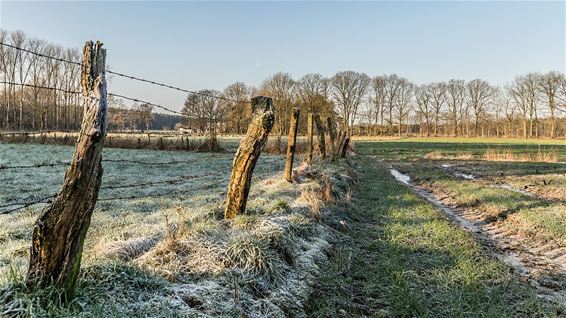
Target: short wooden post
[[320, 134], [291, 144], [332, 136], [345, 147], [247, 155], [310, 140], [60, 231]]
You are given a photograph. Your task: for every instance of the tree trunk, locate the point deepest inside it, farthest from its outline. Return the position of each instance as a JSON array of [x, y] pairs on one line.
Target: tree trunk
[[59, 233], [247, 156], [291, 144]]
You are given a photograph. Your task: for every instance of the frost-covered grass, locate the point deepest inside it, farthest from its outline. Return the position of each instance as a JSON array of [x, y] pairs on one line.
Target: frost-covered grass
[[171, 254]]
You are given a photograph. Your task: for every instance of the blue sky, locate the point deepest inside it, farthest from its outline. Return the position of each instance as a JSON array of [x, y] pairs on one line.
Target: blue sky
[[200, 45]]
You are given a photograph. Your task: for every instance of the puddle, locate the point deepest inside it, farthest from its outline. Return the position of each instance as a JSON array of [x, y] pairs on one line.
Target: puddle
[[510, 188], [466, 176], [400, 176], [446, 165]]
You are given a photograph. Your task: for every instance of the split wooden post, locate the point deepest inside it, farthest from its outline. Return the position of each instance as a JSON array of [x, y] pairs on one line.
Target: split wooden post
[[60, 231], [247, 155], [291, 144], [310, 140], [320, 134], [332, 135]]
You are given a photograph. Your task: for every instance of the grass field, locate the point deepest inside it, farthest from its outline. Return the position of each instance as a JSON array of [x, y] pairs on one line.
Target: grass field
[[414, 148], [402, 258], [349, 241], [158, 242], [423, 265]]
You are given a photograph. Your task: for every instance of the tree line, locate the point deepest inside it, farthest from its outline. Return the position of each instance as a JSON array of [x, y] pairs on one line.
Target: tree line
[[531, 105]]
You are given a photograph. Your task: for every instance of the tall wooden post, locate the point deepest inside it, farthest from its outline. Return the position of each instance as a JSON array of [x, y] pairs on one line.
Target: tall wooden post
[[310, 138], [291, 144], [345, 147], [332, 135], [247, 155], [320, 135], [59, 233]]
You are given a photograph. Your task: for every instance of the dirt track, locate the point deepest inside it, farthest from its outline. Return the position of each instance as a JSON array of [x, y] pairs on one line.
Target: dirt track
[[541, 263]]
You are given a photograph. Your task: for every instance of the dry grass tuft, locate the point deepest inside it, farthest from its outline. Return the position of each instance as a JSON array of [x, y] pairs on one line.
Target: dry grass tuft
[[174, 259], [126, 250], [542, 155], [313, 199], [251, 253], [434, 155]]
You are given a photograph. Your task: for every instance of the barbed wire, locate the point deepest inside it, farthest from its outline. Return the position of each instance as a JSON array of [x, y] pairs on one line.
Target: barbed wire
[[133, 99], [136, 78], [41, 54], [41, 87]]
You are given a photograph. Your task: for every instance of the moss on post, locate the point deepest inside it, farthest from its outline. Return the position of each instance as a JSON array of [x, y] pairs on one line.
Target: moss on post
[[247, 155]]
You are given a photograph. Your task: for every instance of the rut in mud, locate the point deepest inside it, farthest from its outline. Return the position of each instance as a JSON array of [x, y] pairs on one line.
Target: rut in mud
[[541, 263]]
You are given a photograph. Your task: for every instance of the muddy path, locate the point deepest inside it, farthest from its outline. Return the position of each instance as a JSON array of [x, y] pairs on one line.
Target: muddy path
[[541, 263]]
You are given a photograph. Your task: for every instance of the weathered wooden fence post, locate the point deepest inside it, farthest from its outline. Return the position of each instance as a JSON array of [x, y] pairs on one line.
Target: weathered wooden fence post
[[332, 135], [291, 144], [247, 155], [310, 138], [345, 147], [59, 233], [320, 134]]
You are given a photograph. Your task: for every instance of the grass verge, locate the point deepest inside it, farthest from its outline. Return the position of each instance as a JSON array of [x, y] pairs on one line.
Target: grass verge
[[402, 258]]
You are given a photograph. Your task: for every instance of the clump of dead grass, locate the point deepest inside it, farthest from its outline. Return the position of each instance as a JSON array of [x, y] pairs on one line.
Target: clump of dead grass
[[542, 155]]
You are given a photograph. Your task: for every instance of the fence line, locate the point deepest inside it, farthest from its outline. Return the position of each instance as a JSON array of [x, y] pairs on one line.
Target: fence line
[[24, 203], [133, 99]]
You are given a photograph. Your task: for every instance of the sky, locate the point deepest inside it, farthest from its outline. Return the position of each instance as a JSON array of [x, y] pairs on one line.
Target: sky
[[209, 45]]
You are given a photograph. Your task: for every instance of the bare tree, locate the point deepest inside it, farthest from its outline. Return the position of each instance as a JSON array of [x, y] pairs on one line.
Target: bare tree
[[403, 102], [349, 88], [392, 87], [455, 97], [438, 93], [204, 110], [281, 87], [425, 107], [378, 99], [524, 93], [238, 109], [480, 94], [549, 85]]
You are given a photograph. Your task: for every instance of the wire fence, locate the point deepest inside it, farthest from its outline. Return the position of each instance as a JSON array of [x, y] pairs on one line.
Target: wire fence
[[131, 77], [213, 178], [23, 203]]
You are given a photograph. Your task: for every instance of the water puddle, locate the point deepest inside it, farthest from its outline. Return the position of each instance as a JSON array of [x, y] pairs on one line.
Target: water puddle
[[511, 188], [400, 176]]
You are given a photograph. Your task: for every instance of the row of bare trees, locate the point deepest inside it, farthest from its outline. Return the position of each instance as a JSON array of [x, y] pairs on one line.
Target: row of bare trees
[[24, 107], [532, 105]]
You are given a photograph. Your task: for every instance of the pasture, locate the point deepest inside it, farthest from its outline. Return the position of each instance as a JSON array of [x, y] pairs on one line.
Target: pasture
[[460, 233], [158, 241]]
